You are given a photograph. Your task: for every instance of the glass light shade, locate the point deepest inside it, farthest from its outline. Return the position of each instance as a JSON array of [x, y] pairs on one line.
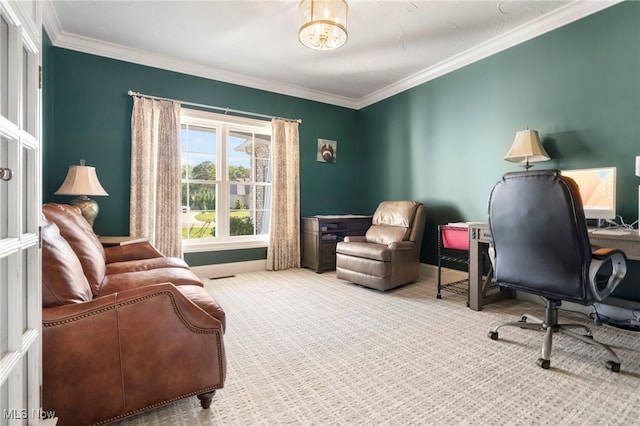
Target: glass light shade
[[527, 148], [323, 23]]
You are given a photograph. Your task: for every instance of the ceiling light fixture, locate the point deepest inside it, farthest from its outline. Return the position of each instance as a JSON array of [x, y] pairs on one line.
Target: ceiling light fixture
[[323, 23]]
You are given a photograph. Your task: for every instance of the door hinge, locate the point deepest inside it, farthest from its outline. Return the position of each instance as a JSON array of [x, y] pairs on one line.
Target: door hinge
[[40, 237], [39, 76]]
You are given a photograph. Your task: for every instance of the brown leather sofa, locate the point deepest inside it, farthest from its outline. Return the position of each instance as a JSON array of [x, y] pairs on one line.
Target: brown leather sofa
[[388, 255], [124, 329]]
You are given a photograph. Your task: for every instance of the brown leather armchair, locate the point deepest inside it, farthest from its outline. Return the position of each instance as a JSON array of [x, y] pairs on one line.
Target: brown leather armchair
[[124, 329], [389, 254]]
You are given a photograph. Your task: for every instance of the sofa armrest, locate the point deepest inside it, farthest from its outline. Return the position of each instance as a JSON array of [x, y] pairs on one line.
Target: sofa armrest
[[141, 348], [135, 251]]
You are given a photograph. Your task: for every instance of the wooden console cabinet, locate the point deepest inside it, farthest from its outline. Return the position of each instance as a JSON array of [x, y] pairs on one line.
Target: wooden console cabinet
[[320, 234]]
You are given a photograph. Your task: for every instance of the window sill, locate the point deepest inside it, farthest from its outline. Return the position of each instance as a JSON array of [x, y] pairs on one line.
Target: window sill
[[198, 246]]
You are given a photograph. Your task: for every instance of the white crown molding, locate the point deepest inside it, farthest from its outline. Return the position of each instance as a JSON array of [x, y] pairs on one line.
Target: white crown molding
[[553, 20], [50, 20], [549, 22], [115, 51]]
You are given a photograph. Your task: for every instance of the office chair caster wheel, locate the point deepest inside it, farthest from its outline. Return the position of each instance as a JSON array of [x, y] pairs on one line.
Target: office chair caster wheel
[[613, 366], [544, 363], [493, 335], [439, 296]]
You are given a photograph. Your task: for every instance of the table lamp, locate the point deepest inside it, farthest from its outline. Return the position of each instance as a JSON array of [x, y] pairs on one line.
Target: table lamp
[[527, 148], [82, 181]]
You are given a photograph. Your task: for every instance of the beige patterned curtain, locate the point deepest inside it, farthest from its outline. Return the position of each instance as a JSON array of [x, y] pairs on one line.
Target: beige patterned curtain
[[155, 174], [283, 251]]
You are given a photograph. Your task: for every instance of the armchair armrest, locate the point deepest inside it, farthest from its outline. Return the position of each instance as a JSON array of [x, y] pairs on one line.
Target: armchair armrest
[[402, 245], [135, 251], [600, 257], [355, 238]]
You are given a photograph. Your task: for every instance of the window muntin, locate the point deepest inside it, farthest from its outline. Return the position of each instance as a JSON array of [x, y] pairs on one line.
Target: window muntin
[[226, 179]]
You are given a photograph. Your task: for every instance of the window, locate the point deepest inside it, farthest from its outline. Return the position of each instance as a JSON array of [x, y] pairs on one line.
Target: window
[[226, 181]]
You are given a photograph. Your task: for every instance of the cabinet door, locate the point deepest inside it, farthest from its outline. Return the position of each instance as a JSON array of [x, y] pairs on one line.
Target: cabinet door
[[20, 200]]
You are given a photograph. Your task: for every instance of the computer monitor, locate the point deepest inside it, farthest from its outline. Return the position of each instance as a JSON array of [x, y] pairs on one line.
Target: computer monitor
[[597, 190]]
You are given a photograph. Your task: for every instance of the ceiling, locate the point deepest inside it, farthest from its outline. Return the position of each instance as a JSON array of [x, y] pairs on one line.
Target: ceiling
[[392, 45]]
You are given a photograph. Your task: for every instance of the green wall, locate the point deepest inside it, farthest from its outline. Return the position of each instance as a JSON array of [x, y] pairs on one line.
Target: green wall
[[441, 143], [87, 115]]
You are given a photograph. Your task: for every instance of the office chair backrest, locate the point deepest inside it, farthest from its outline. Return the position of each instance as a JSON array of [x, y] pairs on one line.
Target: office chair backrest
[[540, 235]]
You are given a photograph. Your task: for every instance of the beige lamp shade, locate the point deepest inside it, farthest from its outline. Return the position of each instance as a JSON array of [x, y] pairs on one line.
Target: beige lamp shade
[[527, 148], [81, 180]]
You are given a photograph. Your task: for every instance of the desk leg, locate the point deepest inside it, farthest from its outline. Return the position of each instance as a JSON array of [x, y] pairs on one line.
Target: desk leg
[[475, 271]]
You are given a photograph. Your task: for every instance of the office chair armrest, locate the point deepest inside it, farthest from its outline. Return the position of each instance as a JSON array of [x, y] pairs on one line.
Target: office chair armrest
[[601, 257]]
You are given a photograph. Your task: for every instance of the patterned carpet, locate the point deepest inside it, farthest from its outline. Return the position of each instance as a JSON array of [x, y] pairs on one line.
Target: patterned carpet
[[309, 349]]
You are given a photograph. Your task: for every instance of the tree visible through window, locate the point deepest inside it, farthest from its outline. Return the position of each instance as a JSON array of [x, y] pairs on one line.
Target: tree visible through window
[[226, 177]]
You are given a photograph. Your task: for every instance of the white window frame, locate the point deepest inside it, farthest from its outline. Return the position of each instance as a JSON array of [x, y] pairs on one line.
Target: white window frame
[[222, 125]]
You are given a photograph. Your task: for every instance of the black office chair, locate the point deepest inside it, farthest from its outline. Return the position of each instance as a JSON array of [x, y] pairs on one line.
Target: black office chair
[[541, 246]]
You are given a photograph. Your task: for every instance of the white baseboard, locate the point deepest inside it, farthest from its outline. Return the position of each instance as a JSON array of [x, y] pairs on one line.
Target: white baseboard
[[229, 269]]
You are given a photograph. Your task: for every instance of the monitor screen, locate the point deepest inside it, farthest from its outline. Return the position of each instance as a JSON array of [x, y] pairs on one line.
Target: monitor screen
[[597, 190]]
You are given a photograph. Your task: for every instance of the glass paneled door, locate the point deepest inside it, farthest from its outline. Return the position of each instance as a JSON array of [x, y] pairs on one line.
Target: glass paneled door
[[20, 200]]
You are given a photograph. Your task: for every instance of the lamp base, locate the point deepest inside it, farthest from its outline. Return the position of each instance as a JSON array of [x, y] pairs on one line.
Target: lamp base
[[88, 207]]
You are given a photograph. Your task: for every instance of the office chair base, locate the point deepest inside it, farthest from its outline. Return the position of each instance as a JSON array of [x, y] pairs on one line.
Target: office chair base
[[550, 326]]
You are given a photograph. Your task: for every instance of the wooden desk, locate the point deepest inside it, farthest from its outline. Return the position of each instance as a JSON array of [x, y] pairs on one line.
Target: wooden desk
[[320, 235], [480, 288], [628, 243]]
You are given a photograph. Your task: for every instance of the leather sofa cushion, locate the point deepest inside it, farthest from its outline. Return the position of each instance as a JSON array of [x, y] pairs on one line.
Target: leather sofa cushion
[[365, 250], [204, 301], [63, 281], [84, 242], [114, 283], [145, 265]]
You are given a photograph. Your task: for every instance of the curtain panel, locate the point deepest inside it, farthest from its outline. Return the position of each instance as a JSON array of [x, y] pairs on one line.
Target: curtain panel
[[155, 174], [283, 251]]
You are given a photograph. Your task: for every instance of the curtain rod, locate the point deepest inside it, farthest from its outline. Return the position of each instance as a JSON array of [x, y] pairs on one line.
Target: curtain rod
[[226, 110]]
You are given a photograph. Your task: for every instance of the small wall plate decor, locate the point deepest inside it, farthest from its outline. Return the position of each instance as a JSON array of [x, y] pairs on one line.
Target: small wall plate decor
[[327, 151]]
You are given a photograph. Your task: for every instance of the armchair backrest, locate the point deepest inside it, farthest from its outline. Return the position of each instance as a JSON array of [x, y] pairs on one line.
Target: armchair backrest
[[539, 234], [395, 221]]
